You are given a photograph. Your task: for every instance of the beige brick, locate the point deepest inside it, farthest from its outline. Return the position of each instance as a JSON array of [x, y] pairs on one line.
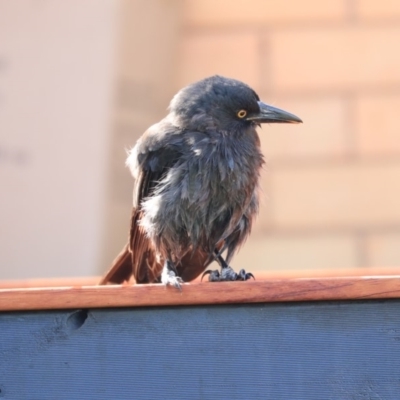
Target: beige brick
[[383, 249], [372, 9], [147, 34], [231, 54], [378, 124], [323, 132], [227, 12], [352, 195], [297, 252], [334, 58]]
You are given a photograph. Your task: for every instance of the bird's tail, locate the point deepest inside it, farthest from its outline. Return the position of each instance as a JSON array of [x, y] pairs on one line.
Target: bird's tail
[[121, 268]]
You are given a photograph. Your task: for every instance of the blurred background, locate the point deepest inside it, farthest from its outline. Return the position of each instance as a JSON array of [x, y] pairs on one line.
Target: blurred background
[[81, 81]]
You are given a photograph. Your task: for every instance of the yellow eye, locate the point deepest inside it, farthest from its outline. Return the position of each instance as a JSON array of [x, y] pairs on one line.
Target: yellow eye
[[241, 113]]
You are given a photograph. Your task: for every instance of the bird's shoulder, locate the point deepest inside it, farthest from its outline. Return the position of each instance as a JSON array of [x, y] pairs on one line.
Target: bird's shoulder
[[162, 145]]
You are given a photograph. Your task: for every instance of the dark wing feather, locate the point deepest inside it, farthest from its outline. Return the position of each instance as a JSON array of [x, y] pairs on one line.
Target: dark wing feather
[[154, 158], [153, 165]]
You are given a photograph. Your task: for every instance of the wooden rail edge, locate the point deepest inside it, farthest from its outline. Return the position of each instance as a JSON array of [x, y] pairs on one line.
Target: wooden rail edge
[[273, 290]]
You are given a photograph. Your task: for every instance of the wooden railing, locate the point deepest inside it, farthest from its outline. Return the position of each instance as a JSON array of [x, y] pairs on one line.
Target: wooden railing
[[269, 287]]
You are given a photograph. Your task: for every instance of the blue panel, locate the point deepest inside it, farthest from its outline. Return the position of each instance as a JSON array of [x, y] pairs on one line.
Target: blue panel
[[293, 351]]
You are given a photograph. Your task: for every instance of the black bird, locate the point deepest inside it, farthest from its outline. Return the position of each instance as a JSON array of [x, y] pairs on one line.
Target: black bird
[[196, 184]]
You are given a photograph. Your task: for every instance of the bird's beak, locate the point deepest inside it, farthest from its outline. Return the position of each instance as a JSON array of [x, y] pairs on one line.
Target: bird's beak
[[273, 115]]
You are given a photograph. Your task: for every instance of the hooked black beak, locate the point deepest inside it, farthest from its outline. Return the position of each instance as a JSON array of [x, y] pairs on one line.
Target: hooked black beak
[[273, 115]]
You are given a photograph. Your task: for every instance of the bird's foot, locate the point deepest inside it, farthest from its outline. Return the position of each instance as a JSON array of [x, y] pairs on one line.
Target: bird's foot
[[227, 274], [168, 277]]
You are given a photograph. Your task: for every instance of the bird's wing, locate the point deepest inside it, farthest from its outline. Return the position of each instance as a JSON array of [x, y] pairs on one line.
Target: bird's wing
[[155, 152], [154, 159]]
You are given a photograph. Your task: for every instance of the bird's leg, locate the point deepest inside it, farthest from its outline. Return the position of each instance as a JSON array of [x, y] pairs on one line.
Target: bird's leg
[[169, 275], [227, 273]]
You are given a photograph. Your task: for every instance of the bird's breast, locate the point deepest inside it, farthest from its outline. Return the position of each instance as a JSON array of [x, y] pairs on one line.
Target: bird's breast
[[222, 171], [205, 195]]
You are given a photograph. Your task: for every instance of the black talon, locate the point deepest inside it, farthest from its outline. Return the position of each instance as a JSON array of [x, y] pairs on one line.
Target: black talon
[[205, 273], [214, 276], [227, 273], [244, 276], [241, 276]]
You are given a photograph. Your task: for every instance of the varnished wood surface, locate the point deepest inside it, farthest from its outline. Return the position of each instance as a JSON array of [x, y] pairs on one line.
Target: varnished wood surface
[[259, 291], [260, 275], [49, 282]]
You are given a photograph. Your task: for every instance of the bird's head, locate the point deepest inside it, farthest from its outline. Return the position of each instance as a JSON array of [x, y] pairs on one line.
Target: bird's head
[[223, 104]]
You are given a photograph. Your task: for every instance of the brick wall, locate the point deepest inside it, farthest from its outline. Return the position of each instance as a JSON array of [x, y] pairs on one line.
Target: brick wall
[[331, 186]]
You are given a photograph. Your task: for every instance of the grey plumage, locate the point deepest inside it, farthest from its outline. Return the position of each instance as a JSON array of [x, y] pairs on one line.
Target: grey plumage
[[196, 183]]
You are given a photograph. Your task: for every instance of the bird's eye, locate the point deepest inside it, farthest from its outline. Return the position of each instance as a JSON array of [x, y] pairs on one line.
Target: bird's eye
[[241, 113]]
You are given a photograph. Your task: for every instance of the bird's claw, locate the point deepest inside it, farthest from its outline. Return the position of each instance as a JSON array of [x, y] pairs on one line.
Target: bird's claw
[[169, 277], [227, 274], [245, 276], [214, 275]]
